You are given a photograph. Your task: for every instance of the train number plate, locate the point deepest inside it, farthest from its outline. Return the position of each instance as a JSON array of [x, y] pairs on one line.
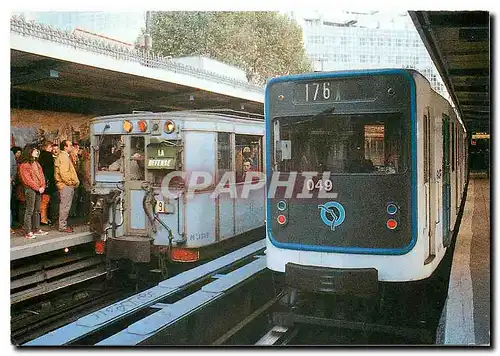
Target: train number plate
[[163, 208]]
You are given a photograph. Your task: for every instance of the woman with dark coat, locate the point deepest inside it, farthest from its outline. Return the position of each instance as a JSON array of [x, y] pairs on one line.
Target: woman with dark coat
[[47, 162]]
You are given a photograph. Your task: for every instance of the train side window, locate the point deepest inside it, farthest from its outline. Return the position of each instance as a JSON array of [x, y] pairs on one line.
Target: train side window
[[224, 154], [108, 156], [426, 149], [248, 150], [136, 168], [453, 147]]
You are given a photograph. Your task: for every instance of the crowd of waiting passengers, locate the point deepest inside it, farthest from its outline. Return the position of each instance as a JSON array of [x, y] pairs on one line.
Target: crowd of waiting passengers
[[49, 183]]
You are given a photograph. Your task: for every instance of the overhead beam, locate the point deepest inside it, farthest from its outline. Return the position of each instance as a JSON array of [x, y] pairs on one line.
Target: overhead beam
[[471, 88], [34, 76], [464, 19], [473, 72], [423, 24]]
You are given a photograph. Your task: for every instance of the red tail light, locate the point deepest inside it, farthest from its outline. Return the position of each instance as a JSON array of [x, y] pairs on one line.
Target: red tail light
[[143, 125], [100, 247], [392, 224], [185, 254]]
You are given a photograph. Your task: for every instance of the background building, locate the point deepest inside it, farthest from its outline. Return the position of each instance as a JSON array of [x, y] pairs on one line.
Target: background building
[[123, 26], [355, 40]]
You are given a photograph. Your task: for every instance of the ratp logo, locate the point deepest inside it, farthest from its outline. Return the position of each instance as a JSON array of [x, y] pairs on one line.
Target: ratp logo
[[332, 214]]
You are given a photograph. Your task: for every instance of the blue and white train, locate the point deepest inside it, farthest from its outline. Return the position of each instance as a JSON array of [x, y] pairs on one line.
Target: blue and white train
[[378, 162]]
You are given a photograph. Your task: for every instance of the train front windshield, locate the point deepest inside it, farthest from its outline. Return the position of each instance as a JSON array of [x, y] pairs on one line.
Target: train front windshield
[[342, 144]]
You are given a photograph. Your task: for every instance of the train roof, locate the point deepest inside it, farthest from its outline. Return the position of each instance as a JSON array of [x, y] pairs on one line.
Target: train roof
[[212, 114]]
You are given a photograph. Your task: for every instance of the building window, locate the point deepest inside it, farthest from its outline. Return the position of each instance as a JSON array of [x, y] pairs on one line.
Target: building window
[[362, 41], [375, 59]]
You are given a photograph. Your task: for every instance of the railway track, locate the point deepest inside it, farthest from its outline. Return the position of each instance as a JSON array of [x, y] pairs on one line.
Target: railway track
[[35, 320], [234, 295], [182, 305], [34, 277]]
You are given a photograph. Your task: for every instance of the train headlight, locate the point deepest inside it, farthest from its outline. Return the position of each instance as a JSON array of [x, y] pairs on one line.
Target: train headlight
[[282, 205], [392, 224], [143, 125], [281, 219], [169, 126], [127, 126], [392, 209]]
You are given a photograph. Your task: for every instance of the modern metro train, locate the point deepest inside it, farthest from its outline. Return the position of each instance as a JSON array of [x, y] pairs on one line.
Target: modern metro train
[[379, 162], [134, 216]]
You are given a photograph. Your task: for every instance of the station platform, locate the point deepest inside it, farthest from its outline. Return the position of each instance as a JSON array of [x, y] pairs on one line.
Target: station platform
[[466, 316], [21, 247]]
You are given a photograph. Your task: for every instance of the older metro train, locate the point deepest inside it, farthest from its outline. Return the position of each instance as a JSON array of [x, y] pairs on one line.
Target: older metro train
[[379, 162], [133, 215]]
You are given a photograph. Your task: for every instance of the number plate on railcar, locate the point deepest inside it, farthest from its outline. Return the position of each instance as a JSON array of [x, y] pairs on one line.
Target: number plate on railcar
[[335, 90], [163, 208]]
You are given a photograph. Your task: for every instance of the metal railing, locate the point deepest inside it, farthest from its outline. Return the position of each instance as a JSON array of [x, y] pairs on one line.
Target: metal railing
[[148, 59]]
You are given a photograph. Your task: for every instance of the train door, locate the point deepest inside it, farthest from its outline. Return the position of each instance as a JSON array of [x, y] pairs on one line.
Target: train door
[[446, 180], [224, 202], [135, 221], [429, 186]]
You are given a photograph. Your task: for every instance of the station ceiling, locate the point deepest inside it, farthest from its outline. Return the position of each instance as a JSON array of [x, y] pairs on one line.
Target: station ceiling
[[459, 44], [43, 83]]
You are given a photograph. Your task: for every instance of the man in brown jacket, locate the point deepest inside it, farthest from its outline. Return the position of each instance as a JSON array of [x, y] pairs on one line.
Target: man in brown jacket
[[66, 182]]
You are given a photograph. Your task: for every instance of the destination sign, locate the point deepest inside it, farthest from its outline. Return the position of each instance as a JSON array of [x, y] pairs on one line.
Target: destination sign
[[161, 163], [161, 156], [335, 90]]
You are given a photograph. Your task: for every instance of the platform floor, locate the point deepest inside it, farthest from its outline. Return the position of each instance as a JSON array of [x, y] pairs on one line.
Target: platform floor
[[21, 247], [466, 316]]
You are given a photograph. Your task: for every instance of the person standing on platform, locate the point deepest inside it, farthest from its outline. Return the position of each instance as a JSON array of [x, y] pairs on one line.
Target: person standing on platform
[[66, 181], [17, 198], [13, 174], [33, 181], [47, 163], [74, 156]]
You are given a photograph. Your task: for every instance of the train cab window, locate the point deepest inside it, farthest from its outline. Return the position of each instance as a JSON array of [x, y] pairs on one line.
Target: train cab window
[[367, 143], [108, 156], [136, 165], [248, 149], [224, 154]]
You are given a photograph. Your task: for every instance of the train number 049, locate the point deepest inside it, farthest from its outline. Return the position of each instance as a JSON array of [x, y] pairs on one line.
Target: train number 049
[[320, 184]]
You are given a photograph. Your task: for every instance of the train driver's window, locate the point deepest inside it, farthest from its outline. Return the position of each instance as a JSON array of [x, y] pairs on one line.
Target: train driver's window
[[109, 156], [355, 143], [136, 158], [248, 155]]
